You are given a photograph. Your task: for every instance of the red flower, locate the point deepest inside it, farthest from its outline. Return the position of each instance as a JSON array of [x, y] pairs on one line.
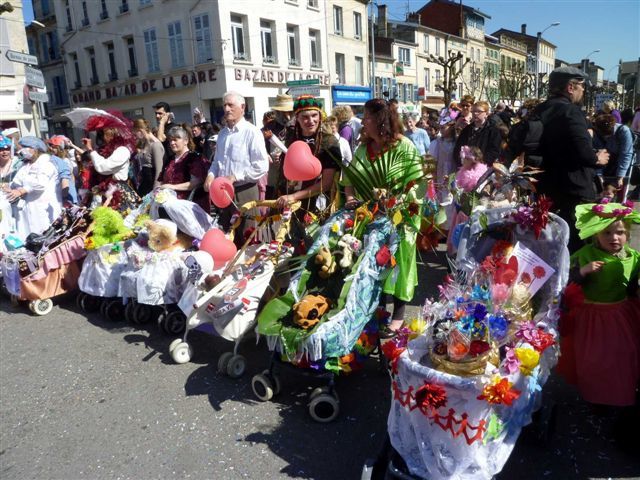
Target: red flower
[[525, 278], [488, 265], [539, 271], [391, 202], [348, 224], [414, 208], [542, 341], [500, 392], [391, 350], [478, 347], [430, 397]]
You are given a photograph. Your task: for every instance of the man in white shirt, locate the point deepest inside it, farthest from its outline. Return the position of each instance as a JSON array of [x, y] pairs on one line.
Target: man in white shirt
[[240, 156]]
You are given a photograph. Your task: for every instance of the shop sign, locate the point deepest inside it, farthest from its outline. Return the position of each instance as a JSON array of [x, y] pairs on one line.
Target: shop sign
[[131, 89], [351, 95], [282, 77]]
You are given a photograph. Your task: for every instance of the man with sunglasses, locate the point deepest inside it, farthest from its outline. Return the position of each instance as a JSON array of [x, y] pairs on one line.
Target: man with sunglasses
[[568, 158]]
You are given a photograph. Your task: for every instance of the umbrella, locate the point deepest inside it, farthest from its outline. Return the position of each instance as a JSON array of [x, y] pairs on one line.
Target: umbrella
[[80, 116]]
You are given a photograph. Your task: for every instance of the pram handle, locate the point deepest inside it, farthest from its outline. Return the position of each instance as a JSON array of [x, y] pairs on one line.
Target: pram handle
[[267, 204]]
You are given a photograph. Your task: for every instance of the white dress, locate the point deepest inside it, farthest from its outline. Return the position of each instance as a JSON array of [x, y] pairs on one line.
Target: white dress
[[39, 207]]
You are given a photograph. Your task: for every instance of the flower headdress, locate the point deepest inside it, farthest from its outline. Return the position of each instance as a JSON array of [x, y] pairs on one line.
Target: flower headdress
[[592, 218]]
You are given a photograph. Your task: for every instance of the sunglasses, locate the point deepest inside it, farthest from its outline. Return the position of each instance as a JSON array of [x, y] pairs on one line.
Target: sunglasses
[[5, 149]]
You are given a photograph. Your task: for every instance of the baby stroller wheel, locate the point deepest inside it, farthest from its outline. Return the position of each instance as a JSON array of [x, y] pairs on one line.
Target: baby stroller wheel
[[141, 313], [181, 353], [223, 361], [324, 408], [41, 307], [112, 310], [173, 323], [174, 344], [320, 390], [236, 366], [89, 303], [263, 387], [128, 311], [79, 298]]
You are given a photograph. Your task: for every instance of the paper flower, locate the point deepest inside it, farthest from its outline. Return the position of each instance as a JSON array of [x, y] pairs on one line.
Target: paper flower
[[417, 327], [529, 359], [536, 337], [348, 224], [598, 208], [499, 293], [500, 390], [511, 363], [479, 293], [498, 326], [605, 200], [478, 347], [391, 202], [335, 228], [430, 397]]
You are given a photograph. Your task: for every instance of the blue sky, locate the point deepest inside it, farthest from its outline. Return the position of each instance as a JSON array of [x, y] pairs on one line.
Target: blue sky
[[612, 26]]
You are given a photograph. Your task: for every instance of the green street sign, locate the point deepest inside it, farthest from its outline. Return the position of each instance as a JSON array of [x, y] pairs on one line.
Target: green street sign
[[298, 83]]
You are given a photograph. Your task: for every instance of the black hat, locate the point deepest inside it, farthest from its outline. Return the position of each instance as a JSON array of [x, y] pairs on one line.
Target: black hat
[[563, 75]]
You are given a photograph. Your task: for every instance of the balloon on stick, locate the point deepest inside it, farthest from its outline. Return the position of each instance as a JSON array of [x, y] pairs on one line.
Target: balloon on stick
[[300, 164], [221, 192], [218, 246]]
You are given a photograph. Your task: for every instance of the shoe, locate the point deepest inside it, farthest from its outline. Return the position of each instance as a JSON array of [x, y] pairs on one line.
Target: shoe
[[386, 333]]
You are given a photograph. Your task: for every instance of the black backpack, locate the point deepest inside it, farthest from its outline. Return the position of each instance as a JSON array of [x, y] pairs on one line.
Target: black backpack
[[524, 137]]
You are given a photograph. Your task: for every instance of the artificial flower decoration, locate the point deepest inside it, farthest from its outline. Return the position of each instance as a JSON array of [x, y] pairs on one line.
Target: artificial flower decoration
[[534, 216], [511, 363], [529, 359], [498, 326], [348, 224], [536, 337], [478, 347], [499, 391], [417, 327], [392, 351], [593, 218], [499, 293], [430, 397]]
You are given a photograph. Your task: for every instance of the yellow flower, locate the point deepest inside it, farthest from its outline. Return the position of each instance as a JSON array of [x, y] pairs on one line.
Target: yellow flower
[[417, 327], [335, 228], [529, 359]]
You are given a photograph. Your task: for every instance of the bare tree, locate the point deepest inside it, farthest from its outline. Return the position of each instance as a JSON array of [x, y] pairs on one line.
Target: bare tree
[[514, 82], [452, 68]]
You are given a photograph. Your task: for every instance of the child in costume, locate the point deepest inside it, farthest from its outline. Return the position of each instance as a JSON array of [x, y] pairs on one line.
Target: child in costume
[[467, 178], [601, 329]]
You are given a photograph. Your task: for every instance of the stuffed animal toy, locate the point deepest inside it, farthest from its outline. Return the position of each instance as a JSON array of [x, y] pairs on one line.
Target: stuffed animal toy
[[163, 235], [326, 261], [107, 228], [308, 311], [349, 245]]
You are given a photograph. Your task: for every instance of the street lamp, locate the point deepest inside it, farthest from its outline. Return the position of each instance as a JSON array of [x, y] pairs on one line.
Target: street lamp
[[538, 38]]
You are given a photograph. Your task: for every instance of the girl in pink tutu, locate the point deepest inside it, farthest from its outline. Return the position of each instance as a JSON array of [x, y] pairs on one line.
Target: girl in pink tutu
[[467, 178], [601, 329]]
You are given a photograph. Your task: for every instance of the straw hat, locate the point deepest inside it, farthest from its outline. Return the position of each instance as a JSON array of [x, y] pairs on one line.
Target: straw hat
[[284, 103]]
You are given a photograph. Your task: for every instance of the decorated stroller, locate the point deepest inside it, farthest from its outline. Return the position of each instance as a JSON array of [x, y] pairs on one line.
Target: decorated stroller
[[229, 307], [54, 269], [463, 389], [326, 321]]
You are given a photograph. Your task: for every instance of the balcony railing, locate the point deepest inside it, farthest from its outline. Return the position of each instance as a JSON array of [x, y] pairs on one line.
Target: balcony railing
[[133, 72], [69, 28], [124, 8], [77, 84], [294, 61], [104, 15], [270, 60], [113, 77], [94, 81], [241, 56], [85, 22], [316, 65]]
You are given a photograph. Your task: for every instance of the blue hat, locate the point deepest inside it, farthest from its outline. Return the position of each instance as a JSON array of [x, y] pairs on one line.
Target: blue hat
[[33, 142], [5, 142]]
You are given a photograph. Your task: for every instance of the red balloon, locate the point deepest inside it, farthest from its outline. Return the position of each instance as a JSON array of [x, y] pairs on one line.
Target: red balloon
[[300, 164], [221, 192], [219, 247]]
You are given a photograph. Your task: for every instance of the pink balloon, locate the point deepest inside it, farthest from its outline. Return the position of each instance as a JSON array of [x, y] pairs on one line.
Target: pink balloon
[[300, 164], [221, 192], [218, 246]]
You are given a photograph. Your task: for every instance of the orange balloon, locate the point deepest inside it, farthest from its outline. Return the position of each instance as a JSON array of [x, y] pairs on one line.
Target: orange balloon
[[300, 164]]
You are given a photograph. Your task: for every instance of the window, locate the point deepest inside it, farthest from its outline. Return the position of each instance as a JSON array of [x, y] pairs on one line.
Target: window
[[359, 71], [203, 38], [478, 55], [292, 45], [337, 20], [266, 38], [151, 48], [427, 80], [237, 38], [357, 25], [425, 45], [76, 69], [175, 44], [85, 13], [104, 13], [131, 51], [437, 47], [472, 52], [312, 3], [124, 6], [404, 56], [60, 96], [438, 77], [45, 7], [111, 55], [91, 53], [68, 13], [44, 49], [340, 69], [145, 2], [52, 42], [314, 48]]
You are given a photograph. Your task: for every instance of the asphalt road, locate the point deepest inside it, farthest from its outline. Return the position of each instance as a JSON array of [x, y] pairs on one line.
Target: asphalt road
[[81, 398]]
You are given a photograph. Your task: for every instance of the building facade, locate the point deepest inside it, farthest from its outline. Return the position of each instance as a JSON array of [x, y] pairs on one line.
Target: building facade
[[131, 54], [348, 51]]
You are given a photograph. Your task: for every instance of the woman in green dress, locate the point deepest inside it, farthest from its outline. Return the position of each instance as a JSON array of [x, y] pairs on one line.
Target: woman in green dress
[[388, 165]]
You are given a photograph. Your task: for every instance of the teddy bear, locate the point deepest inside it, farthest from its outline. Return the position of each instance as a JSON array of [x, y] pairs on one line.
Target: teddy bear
[[326, 261], [308, 311], [349, 245], [163, 235]]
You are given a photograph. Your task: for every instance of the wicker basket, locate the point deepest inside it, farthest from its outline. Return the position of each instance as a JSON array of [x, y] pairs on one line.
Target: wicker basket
[[466, 368]]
